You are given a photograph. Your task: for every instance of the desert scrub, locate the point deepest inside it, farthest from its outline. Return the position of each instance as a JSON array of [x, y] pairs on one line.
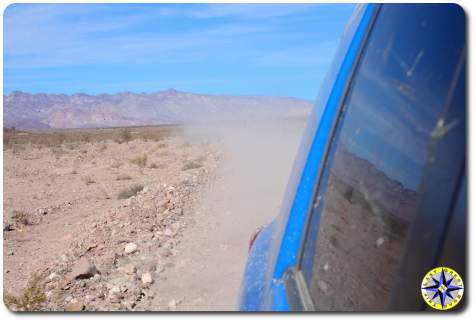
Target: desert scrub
[[163, 154], [85, 138], [201, 159], [55, 140], [21, 218], [140, 161], [116, 164], [191, 165], [129, 192], [102, 147], [58, 152], [32, 297], [153, 165], [71, 146], [17, 148], [125, 136], [123, 177], [88, 180]]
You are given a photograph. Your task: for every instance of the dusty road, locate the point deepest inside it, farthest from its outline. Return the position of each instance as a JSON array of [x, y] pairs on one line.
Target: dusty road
[[203, 192], [245, 193]]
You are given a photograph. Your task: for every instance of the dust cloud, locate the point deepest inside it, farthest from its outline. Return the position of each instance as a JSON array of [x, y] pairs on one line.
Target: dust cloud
[[245, 194], [256, 165]]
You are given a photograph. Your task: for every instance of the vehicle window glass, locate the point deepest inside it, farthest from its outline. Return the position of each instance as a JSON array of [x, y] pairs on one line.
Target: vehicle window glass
[[370, 184]]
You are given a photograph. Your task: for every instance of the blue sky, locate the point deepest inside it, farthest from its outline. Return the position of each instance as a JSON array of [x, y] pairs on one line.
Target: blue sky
[[241, 49]]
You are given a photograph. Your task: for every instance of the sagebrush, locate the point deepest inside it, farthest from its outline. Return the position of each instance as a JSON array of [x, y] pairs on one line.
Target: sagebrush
[[129, 192]]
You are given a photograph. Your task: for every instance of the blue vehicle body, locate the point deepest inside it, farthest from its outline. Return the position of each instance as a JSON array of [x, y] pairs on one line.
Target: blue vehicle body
[[277, 247], [263, 287]]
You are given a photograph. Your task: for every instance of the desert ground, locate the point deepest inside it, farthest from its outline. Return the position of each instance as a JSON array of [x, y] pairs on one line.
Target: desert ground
[[138, 219]]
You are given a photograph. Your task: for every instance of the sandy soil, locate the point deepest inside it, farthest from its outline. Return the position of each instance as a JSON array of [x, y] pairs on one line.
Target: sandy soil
[[205, 191], [245, 194]]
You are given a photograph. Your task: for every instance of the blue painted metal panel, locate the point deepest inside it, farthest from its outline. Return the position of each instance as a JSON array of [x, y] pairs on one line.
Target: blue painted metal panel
[[277, 246], [255, 283], [300, 208], [280, 302]]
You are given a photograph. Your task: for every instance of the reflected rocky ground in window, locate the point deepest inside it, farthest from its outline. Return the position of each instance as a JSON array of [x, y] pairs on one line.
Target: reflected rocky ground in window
[[365, 219]]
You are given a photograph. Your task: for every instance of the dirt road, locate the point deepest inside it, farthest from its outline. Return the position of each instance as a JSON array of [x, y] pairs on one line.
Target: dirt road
[[245, 193], [178, 242]]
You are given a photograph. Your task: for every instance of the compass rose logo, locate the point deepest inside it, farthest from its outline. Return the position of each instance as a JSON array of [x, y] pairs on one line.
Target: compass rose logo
[[442, 288]]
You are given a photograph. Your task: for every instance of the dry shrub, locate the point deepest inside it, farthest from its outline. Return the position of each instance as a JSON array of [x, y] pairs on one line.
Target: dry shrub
[[163, 154], [85, 138], [123, 177], [70, 146], [125, 136], [73, 138], [88, 180], [32, 297], [140, 161], [58, 152], [201, 159], [191, 165], [129, 192], [17, 148], [116, 164], [21, 217]]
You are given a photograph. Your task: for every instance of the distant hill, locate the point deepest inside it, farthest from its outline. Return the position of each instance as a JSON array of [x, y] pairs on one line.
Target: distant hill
[[42, 111]]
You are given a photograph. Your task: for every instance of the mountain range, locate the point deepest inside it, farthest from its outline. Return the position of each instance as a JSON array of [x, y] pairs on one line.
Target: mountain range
[[43, 111]]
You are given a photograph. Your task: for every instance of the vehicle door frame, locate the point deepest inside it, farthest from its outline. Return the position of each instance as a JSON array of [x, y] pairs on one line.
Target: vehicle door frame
[[419, 255]]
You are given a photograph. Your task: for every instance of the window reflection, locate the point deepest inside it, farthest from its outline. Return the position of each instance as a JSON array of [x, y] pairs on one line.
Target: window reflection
[[378, 159]]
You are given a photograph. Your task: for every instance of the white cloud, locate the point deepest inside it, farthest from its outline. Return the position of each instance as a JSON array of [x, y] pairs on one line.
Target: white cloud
[[56, 36], [47, 36]]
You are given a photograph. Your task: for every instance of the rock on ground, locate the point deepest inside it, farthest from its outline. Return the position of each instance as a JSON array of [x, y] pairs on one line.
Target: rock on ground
[[83, 269], [130, 241], [130, 248], [147, 278]]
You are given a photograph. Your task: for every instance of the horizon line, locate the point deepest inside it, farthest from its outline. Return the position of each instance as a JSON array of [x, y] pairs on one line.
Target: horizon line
[[151, 92]]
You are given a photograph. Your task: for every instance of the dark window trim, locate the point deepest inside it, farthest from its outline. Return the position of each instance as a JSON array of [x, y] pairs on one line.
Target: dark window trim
[[298, 295], [409, 274], [412, 268], [424, 245], [457, 239]]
